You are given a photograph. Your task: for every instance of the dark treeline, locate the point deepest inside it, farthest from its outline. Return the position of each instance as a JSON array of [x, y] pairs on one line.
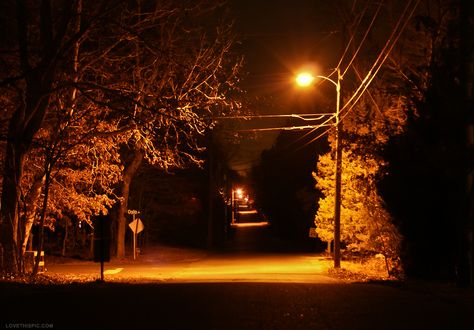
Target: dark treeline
[[429, 186], [285, 188]]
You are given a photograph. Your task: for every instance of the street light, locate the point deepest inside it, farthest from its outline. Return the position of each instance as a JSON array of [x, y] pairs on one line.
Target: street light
[[305, 79], [237, 194], [240, 193]]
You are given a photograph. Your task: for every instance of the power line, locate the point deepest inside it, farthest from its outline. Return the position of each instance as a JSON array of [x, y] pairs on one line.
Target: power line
[[370, 95], [338, 66], [363, 38], [310, 132], [352, 36], [389, 44], [316, 138], [396, 33], [284, 128], [301, 116], [387, 53]]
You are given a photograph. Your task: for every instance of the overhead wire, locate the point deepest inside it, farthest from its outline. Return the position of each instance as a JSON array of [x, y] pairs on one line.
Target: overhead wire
[[341, 60], [325, 123], [284, 128], [316, 138], [377, 63], [359, 76], [297, 140], [353, 35], [416, 2], [287, 128], [301, 116], [363, 38], [381, 58], [361, 16]]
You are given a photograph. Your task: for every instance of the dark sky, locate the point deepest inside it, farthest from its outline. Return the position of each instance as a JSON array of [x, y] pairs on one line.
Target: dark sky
[[278, 38]]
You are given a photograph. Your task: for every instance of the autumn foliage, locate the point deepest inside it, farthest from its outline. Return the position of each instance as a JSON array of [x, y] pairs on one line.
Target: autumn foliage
[[366, 226], [93, 89]]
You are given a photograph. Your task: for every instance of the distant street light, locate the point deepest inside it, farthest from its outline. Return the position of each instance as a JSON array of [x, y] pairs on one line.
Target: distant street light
[[305, 79], [240, 193], [237, 194]]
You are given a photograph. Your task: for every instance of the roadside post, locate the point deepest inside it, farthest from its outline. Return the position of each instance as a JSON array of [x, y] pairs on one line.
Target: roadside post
[[102, 234], [136, 226]]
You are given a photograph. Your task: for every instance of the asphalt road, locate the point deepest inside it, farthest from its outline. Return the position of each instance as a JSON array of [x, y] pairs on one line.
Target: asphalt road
[[254, 284], [235, 306], [252, 256]]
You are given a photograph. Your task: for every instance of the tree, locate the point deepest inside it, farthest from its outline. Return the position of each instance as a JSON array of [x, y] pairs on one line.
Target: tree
[[145, 68], [430, 161], [36, 56], [177, 72], [48, 114], [366, 226]]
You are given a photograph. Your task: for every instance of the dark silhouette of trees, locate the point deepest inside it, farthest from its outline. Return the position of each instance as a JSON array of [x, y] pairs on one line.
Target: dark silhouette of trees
[[428, 187], [285, 190]]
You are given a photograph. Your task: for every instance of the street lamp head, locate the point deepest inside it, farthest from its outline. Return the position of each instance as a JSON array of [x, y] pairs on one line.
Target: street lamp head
[[304, 79], [239, 193]]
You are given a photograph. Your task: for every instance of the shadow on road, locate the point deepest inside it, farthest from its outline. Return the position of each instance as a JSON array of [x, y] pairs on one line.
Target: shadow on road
[[251, 233], [231, 306]]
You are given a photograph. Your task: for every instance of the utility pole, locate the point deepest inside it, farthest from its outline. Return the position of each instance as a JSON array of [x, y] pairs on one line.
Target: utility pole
[[210, 220], [305, 79], [337, 202]]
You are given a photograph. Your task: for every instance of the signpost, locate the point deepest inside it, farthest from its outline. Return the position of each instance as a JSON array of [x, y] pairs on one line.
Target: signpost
[[102, 234], [136, 226]]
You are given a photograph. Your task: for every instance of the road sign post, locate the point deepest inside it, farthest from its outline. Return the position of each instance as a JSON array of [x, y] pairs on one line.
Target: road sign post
[[102, 233], [136, 226]]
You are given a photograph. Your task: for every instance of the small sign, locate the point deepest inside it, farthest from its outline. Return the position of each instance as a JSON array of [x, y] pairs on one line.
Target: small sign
[[312, 232], [136, 226]]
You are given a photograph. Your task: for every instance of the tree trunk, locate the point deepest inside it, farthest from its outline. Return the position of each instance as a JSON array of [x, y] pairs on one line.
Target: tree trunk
[[128, 174], [66, 232], [30, 211], [91, 245], [12, 174], [212, 189], [42, 220], [23, 126]]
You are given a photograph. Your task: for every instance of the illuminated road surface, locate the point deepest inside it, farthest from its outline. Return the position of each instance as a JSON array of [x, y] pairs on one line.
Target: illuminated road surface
[[224, 268], [243, 262]]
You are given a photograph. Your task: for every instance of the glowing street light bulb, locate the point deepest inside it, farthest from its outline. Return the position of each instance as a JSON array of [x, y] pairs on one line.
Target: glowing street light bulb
[[304, 79], [239, 193]]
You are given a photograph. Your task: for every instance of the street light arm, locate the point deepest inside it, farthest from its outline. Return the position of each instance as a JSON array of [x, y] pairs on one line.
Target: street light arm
[[329, 79]]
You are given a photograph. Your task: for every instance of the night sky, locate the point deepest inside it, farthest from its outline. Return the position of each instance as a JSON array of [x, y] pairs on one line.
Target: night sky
[[278, 38]]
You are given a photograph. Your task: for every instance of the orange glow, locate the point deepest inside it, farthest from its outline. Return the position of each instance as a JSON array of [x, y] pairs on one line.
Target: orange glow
[[304, 79], [197, 267], [239, 192], [248, 212], [250, 224]]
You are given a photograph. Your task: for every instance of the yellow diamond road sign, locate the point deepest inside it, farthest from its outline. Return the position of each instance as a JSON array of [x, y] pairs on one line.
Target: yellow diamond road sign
[[136, 226]]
